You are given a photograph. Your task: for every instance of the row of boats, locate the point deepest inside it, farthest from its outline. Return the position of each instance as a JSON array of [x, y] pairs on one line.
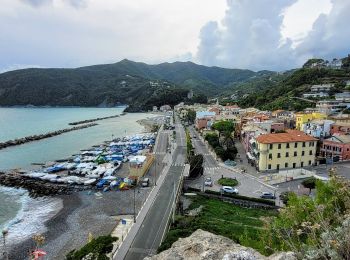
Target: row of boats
[[99, 165]]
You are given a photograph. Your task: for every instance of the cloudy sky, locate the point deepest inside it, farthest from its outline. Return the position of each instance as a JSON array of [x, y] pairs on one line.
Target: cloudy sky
[[254, 34]]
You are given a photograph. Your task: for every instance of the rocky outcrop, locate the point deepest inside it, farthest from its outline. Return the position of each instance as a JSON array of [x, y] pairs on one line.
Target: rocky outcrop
[[32, 138], [36, 188], [203, 245]]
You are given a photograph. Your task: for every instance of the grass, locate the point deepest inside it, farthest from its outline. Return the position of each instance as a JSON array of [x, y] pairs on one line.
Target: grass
[[228, 182], [242, 225]]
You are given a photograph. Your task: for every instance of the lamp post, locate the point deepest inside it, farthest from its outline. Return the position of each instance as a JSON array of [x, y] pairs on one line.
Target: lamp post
[[135, 205], [4, 234]]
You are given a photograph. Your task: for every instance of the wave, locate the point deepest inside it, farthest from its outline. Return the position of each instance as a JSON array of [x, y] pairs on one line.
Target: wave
[[31, 217]]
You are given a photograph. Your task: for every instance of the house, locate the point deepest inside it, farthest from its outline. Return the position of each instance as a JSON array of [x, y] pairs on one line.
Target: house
[[318, 128], [322, 87], [165, 108], [344, 96], [190, 94], [329, 107], [215, 109], [249, 133], [335, 64], [293, 149], [340, 128], [316, 95], [204, 119], [336, 147], [302, 118], [155, 109]]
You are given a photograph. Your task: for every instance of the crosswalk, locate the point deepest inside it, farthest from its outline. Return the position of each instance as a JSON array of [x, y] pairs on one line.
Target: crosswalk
[[212, 168], [178, 164]]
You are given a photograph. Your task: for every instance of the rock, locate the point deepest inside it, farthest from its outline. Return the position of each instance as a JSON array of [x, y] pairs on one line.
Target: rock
[[203, 245]]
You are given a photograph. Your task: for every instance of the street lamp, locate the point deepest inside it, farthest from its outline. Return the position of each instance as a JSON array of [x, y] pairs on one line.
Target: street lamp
[[134, 205], [4, 234]]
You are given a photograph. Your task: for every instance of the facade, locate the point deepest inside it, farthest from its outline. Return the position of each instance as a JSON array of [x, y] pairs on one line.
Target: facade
[[318, 128], [293, 149], [303, 118], [344, 96], [204, 119], [336, 147], [331, 106], [316, 95]]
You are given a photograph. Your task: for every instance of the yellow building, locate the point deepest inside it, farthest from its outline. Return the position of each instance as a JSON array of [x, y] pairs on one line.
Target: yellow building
[[302, 118], [289, 150]]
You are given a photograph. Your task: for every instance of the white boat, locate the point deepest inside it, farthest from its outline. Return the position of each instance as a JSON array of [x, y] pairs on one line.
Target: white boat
[[89, 182], [35, 175], [113, 183], [110, 178]]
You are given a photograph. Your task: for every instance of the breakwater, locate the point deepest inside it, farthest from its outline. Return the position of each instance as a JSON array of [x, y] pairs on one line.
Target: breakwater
[[35, 187], [92, 120], [32, 138]]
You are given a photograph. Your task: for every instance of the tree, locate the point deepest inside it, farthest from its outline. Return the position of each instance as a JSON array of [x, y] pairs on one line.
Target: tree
[[191, 116], [196, 166], [309, 183]]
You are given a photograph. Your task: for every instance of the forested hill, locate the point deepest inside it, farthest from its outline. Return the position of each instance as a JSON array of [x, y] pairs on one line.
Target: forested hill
[[284, 93], [125, 82]]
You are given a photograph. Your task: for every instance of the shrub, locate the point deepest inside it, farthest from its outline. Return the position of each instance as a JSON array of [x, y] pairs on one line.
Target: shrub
[[228, 182], [98, 247]]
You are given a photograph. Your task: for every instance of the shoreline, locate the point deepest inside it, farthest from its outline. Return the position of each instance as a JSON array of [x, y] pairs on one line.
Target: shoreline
[[81, 214]]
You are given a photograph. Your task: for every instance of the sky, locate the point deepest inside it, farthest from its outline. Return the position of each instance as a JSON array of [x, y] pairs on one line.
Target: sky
[[250, 34]]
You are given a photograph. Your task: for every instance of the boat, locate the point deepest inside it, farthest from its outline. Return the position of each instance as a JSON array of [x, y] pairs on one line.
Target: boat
[[89, 182]]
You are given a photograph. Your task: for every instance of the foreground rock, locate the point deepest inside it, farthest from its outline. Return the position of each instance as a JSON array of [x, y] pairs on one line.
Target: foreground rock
[[203, 245]]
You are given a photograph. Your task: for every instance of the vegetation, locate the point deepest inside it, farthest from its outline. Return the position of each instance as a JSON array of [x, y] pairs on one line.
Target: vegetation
[[309, 183], [196, 166], [225, 151], [228, 182], [309, 226], [190, 149], [97, 249], [282, 94], [242, 225]]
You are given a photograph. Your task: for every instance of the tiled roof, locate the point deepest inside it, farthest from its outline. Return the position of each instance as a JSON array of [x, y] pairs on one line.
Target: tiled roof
[[288, 137]]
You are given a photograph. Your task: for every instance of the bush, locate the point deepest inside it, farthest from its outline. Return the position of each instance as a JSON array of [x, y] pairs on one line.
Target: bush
[[228, 182], [196, 166], [98, 247], [309, 183]]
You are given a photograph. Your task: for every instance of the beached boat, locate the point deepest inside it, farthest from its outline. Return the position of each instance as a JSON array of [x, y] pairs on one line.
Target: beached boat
[[90, 182]]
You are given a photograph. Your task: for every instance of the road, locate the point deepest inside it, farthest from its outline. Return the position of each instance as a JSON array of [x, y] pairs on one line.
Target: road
[[248, 185], [154, 226]]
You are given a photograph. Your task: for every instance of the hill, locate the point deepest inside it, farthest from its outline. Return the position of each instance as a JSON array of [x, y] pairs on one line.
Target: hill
[[281, 94], [138, 84]]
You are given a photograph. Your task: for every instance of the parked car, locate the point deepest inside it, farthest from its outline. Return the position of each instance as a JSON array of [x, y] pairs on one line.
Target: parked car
[[229, 189], [267, 195], [208, 182], [145, 182]]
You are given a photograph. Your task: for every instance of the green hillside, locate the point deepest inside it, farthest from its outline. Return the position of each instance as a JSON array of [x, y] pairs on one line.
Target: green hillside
[[124, 82]]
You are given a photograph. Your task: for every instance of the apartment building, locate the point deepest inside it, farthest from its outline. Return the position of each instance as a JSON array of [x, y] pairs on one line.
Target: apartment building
[[292, 149], [303, 118]]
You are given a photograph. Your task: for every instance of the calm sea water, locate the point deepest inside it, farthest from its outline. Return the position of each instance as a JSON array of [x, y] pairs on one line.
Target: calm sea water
[[15, 205]]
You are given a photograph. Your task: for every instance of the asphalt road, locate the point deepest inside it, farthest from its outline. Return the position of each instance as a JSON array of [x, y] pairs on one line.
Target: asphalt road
[[154, 226]]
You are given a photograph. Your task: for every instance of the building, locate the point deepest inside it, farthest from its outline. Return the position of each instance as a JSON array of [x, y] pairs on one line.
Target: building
[[303, 118], [155, 109], [329, 107], [336, 147], [316, 95], [340, 128], [344, 96], [190, 94], [293, 149], [204, 119], [318, 128], [322, 88]]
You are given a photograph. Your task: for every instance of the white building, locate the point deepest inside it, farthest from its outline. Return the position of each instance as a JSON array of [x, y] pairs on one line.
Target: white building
[[318, 128]]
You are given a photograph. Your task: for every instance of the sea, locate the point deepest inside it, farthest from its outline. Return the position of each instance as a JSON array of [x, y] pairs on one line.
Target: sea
[[20, 214]]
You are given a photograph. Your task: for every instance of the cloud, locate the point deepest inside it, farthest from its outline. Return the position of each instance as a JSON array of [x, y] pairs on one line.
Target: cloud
[[39, 3], [249, 36], [330, 34]]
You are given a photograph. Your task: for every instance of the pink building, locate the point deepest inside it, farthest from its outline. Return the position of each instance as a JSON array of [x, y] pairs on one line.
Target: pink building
[[340, 128], [337, 147]]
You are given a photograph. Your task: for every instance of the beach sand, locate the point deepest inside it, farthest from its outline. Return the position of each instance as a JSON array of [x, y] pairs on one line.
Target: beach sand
[[82, 214]]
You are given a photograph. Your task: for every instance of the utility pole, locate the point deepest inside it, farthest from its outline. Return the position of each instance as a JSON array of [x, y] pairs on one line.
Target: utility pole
[[174, 206], [155, 172], [135, 205], [4, 234]]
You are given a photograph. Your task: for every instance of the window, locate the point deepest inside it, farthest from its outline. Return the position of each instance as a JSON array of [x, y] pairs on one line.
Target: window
[[270, 156], [302, 153], [287, 154], [302, 164], [295, 145], [278, 155], [271, 146], [310, 144], [310, 152], [294, 165], [309, 162], [339, 149], [303, 144], [278, 166], [287, 145], [295, 154], [279, 146], [286, 165], [269, 166]]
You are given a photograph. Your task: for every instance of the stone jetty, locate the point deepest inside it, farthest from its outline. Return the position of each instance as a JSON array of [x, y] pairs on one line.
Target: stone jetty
[[32, 138], [35, 187], [92, 120]]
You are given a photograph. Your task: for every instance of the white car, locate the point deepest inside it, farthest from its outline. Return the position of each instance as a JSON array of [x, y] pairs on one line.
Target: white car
[[208, 182], [229, 189]]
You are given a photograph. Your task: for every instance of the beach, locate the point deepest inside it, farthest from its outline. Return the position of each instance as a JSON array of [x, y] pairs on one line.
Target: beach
[[68, 220]]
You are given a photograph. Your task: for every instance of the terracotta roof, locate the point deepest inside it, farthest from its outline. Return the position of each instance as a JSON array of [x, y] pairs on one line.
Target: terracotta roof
[[289, 136]]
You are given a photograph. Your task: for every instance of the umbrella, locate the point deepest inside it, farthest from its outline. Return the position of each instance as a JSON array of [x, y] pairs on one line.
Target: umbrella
[[38, 253]]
